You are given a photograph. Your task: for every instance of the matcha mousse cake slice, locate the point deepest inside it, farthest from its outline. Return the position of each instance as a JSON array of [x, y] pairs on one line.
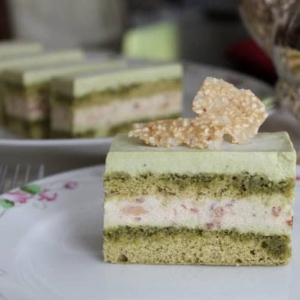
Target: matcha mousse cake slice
[[33, 59], [100, 104], [212, 191], [179, 205], [8, 50], [28, 89]]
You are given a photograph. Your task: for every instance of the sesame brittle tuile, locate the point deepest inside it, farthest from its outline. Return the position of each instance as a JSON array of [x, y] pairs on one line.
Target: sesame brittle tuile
[[181, 131], [223, 111], [239, 112]]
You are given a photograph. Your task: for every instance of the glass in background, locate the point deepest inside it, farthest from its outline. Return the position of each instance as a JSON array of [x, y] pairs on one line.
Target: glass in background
[[286, 57], [275, 25]]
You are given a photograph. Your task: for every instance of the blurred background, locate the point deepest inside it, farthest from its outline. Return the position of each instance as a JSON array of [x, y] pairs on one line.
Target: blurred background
[[232, 34], [209, 32]]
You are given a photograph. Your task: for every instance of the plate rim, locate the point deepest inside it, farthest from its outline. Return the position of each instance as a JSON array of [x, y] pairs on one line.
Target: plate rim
[[55, 142]]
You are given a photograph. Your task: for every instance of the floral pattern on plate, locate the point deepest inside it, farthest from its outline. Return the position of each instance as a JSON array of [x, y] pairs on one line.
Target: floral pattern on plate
[[41, 193]]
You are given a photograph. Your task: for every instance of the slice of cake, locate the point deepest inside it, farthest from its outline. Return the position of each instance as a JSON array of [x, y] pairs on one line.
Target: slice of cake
[[212, 191], [100, 104], [8, 50], [33, 59], [179, 205], [27, 93]]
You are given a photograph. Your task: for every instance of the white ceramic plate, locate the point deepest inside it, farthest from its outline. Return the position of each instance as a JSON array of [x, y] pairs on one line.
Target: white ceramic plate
[[51, 249], [194, 75]]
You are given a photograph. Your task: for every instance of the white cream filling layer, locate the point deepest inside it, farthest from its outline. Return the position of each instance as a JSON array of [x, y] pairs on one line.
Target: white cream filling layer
[[244, 215], [35, 109], [116, 112]]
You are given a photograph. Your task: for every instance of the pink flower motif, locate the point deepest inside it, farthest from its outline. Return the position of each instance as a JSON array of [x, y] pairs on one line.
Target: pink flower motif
[[47, 195], [298, 178], [19, 196], [71, 185]]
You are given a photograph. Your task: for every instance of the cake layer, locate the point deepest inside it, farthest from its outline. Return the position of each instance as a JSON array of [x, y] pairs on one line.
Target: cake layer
[[18, 47], [248, 215], [36, 108], [85, 84], [128, 92], [99, 116], [27, 88], [270, 155], [180, 245], [33, 75], [99, 105], [92, 133], [104, 131], [198, 186], [37, 129], [45, 57]]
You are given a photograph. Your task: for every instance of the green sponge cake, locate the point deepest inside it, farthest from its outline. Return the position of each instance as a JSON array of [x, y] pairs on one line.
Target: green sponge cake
[[100, 104], [179, 205]]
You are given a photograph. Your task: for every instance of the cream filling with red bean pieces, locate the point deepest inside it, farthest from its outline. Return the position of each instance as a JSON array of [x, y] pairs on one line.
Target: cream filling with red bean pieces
[[116, 112], [242, 215], [35, 109]]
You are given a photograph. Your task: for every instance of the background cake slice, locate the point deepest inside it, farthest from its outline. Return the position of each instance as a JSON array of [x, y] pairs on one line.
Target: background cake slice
[[9, 49], [27, 93], [100, 104], [33, 59], [179, 205]]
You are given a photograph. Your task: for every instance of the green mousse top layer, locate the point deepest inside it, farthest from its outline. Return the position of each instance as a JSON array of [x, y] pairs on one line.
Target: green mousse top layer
[[45, 57], [269, 154], [28, 75], [91, 82]]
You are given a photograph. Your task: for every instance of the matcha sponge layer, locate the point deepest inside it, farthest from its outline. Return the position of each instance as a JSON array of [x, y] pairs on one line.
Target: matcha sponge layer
[[217, 186], [170, 245]]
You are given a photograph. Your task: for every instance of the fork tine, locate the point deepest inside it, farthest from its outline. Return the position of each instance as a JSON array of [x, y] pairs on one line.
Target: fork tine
[[15, 177], [27, 174], [12, 177], [2, 178], [41, 171]]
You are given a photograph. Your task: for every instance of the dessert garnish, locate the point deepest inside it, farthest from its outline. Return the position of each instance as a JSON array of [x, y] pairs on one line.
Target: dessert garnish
[[223, 112]]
